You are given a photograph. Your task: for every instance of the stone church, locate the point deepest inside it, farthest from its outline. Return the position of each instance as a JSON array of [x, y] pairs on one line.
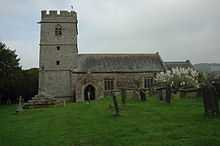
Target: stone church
[[64, 73]]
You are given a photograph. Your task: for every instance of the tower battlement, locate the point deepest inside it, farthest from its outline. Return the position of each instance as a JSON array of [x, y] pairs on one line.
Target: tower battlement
[[55, 13]]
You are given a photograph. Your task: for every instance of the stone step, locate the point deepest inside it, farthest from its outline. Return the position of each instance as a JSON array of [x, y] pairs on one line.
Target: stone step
[[42, 102]]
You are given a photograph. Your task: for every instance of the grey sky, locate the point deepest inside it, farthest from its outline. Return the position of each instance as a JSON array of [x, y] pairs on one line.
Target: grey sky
[[177, 29]]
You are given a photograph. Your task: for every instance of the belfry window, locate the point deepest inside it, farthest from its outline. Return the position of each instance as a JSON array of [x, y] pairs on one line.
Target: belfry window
[[58, 30]]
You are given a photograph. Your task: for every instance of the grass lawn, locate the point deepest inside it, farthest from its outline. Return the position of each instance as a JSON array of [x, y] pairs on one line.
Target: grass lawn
[[152, 123]]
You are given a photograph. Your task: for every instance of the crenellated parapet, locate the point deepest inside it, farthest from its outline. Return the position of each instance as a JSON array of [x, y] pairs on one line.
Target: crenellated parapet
[[55, 13], [58, 15]]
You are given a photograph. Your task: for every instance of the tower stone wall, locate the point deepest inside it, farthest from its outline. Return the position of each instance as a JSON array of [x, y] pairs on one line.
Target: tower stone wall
[[60, 48], [58, 52]]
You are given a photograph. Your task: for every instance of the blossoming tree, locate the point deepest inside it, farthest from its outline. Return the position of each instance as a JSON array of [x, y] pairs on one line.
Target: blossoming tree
[[179, 78]]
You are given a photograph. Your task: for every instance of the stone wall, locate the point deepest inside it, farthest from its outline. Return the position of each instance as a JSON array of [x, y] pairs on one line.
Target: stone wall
[[67, 41], [80, 81], [49, 55], [56, 83], [55, 79], [63, 79]]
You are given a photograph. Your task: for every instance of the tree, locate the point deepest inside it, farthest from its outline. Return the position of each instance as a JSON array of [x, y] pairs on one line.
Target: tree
[[30, 83], [14, 81], [179, 78], [8, 58], [9, 66]]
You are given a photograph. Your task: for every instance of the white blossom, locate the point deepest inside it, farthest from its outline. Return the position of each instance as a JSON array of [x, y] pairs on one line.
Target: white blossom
[[183, 77]]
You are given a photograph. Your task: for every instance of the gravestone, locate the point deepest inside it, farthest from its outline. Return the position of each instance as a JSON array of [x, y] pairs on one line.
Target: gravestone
[[163, 93], [210, 100], [168, 94], [216, 83], [123, 95], [115, 103], [20, 106], [142, 95], [160, 93]]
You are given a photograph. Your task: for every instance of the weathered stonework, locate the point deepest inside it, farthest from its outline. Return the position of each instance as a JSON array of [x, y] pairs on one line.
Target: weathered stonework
[[66, 74]]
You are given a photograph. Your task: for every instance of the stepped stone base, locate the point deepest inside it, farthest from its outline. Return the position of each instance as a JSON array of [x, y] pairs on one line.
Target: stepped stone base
[[42, 101]]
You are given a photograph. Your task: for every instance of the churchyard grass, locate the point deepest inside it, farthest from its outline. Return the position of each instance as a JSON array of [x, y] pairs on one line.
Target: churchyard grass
[[153, 123]]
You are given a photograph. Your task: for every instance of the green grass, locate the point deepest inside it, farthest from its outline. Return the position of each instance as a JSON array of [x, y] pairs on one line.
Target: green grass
[[152, 123]]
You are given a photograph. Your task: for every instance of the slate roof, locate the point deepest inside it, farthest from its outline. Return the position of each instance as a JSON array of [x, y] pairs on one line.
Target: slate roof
[[180, 64], [120, 63]]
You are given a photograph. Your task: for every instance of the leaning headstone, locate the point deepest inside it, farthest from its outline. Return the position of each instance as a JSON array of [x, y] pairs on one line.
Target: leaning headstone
[[160, 94], [123, 96], [115, 103], [210, 100], [142, 95], [168, 94], [20, 106]]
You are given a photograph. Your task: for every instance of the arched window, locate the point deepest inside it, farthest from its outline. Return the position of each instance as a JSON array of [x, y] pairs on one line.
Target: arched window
[[58, 30], [109, 84]]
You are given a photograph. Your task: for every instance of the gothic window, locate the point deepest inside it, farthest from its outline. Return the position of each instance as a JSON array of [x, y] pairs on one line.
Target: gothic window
[[58, 30], [148, 82], [58, 62], [58, 48], [109, 84]]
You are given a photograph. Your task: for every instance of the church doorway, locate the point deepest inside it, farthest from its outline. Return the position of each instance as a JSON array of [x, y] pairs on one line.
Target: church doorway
[[89, 93]]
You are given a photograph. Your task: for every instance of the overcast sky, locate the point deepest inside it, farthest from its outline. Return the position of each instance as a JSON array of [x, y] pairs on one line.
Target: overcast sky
[[177, 29]]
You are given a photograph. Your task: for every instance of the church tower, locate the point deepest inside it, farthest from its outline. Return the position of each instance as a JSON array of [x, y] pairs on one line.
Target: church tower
[[58, 52], [58, 40]]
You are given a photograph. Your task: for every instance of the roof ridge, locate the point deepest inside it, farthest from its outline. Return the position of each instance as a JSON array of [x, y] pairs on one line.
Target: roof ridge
[[109, 54]]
